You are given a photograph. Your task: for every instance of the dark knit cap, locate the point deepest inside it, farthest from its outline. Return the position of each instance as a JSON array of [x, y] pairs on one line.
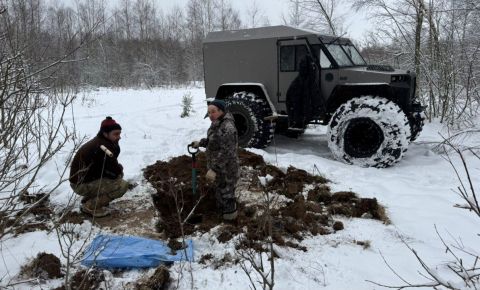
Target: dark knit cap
[[219, 104], [109, 125]]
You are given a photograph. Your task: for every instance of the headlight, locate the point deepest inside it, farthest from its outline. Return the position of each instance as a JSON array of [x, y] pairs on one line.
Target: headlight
[[399, 78]]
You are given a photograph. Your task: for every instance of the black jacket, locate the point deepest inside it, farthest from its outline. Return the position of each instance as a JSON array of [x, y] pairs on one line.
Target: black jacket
[[303, 95], [89, 161]]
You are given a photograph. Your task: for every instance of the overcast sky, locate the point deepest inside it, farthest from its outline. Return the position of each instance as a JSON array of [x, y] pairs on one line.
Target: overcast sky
[[357, 23]]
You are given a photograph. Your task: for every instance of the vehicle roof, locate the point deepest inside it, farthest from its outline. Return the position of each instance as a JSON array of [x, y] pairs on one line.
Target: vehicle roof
[[280, 31]]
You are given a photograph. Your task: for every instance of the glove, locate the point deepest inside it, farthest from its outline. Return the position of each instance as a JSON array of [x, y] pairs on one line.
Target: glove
[[195, 144], [211, 175]]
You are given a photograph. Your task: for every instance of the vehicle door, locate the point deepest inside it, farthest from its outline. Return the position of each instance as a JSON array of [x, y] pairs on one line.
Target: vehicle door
[[290, 53]]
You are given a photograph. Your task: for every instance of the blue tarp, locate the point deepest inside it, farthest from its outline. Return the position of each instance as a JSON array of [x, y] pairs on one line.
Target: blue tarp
[[107, 251]]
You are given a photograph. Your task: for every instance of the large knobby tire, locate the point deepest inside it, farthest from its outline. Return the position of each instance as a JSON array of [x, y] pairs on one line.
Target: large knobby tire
[[369, 132], [249, 111], [416, 120]]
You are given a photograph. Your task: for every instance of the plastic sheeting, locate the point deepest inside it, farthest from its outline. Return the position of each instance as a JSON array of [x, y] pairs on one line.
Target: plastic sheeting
[[107, 251]]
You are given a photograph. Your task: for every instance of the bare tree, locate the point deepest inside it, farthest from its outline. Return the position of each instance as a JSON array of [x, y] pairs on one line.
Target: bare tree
[[174, 64], [436, 39], [184, 211], [295, 17], [72, 246], [202, 17], [133, 44], [228, 18], [257, 258], [144, 19], [462, 267], [323, 15], [32, 125], [34, 108], [256, 16]]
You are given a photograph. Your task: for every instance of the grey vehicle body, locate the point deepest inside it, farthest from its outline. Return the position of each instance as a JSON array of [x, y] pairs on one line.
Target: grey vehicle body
[[264, 61], [253, 57]]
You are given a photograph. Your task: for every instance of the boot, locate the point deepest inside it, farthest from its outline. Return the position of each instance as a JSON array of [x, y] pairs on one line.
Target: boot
[[230, 210], [296, 126], [132, 185], [96, 207], [230, 216]]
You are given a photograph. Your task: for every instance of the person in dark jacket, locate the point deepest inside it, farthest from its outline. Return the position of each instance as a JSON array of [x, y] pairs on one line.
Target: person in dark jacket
[[95, 173], [303, 95], [222, 157]]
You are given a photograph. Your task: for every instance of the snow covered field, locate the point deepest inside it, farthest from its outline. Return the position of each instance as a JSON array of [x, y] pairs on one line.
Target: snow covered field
[[417, 193]]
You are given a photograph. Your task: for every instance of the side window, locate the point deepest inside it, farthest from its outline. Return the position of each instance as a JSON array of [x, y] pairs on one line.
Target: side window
[[324, 61], [290, 57], [300, 53], [287, 58]]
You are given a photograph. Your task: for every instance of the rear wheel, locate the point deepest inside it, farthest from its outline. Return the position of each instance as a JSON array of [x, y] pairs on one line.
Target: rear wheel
[[368, 131], [249, 111]]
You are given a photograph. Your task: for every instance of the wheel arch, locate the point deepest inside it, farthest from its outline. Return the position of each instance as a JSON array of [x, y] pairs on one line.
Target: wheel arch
[[343, 93], [259, 89], [250, 112]]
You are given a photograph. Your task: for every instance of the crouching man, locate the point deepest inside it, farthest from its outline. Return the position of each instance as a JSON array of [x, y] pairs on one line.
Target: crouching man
[[95, 173], [222, 158]]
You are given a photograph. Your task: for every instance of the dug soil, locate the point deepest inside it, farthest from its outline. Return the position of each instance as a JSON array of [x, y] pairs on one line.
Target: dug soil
[[44, 266], [127, 216], [300, 203], [87, 279], [160, 280]]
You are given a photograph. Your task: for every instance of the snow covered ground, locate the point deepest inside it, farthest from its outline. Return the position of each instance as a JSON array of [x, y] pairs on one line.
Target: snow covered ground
[[417, 193]]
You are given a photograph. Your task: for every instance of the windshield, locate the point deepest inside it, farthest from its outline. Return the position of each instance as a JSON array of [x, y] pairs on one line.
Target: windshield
[[345, 54], [354, 54], [339, 55]]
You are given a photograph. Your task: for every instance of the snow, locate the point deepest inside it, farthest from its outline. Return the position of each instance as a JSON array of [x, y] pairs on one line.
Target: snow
[[418, 193]]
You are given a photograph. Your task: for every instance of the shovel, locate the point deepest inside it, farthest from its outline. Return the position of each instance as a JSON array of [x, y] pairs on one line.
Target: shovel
[[195, 218], [193, 152]]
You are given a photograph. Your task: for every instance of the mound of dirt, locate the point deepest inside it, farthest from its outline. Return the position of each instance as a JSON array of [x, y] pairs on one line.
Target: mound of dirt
[[37, 205], [34, 214], [159, 280], [44, 266], [301, 203], [175, 245], [87, 279]]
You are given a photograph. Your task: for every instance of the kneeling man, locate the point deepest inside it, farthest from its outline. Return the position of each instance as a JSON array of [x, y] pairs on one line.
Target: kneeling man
[[95, 173]]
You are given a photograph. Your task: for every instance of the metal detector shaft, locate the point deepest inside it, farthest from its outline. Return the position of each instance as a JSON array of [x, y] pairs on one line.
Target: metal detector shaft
[[194, 167]]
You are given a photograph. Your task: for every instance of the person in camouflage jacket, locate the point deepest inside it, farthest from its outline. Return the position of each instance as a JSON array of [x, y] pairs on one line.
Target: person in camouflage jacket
[[222, 158]]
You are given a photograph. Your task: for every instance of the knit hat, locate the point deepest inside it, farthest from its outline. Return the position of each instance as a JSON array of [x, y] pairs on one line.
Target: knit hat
[[219, 104], [109, 125]]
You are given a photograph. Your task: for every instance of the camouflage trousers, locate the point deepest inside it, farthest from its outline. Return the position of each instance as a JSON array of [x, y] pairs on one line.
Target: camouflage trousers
[[225, 192], [105, 188]]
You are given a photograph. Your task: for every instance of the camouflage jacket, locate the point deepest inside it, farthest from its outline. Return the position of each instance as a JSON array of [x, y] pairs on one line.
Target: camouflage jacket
[[221, 144]]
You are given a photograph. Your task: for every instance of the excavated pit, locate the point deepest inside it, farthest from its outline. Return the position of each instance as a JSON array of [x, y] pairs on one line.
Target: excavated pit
[[301, 203]]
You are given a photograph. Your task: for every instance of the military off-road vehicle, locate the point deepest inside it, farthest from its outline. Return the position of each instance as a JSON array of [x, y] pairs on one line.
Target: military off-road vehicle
[[371, 110]]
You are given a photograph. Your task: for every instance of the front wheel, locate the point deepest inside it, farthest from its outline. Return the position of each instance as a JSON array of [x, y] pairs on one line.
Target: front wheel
[[416, 120], [369, 132], [249, 111]]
